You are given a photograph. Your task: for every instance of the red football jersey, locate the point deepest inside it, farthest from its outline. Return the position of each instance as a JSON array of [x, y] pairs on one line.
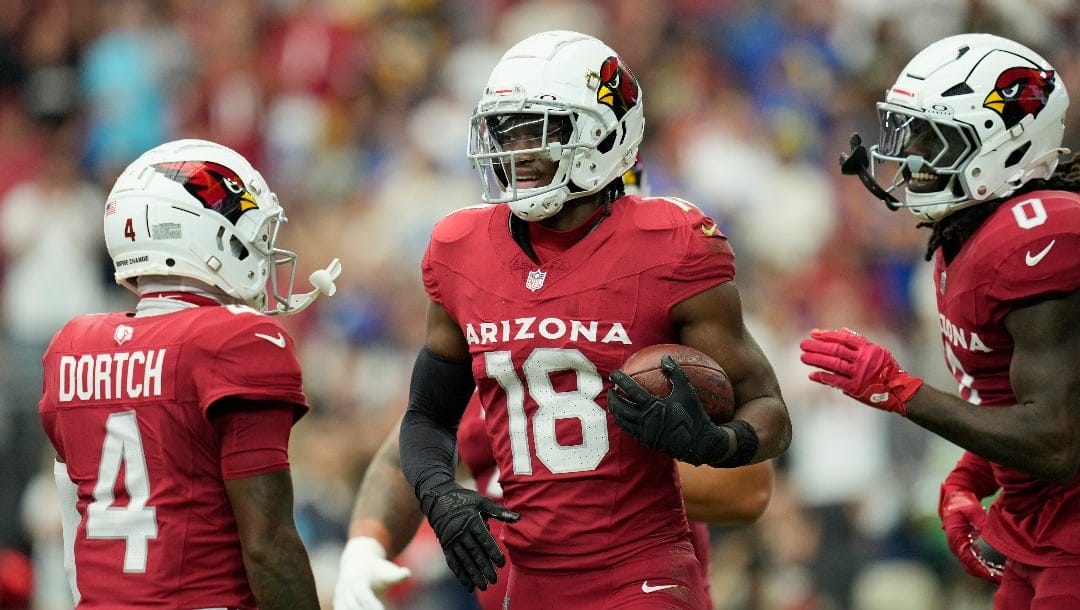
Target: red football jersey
[[125, 406], [1028, 250], [543, 339]]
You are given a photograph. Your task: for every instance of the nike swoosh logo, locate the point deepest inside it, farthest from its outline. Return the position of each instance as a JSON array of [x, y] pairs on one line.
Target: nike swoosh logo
[[1034, 259], [279, 340], [647, 588]]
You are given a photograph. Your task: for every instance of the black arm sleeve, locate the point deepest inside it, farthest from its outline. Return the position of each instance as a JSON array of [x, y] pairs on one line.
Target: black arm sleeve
[[438, 394]]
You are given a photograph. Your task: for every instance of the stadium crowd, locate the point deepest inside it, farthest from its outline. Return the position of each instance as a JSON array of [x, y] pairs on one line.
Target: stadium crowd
[[357, 113]]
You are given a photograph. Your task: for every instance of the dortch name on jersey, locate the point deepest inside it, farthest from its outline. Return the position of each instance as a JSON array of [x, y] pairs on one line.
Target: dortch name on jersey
[[528, 329], [111, 376]]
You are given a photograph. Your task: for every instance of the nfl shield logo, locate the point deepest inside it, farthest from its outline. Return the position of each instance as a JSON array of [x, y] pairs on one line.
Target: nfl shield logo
[[535, 281]]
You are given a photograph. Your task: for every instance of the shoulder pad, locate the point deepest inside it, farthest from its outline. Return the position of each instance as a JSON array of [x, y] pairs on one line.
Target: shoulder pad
[[1033, 217], [1028, 246], [229, 321], [459, 223], [664, 213]]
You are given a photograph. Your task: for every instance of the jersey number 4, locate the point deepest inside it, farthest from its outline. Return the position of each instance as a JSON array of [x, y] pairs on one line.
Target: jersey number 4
[[135, 523]]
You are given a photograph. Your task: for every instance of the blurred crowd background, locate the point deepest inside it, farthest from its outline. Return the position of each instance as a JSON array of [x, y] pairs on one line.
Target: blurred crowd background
[[357, 113]]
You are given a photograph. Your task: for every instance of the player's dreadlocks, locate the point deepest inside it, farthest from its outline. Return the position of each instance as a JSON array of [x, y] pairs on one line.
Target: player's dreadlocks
[[951, 232], [615, 189]]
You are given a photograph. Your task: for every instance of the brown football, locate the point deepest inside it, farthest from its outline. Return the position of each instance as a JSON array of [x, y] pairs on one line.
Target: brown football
[[712, 383]]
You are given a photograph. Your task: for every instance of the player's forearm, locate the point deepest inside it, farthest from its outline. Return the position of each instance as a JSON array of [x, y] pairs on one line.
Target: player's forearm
[[768, 416], [276, 562], [1027, 437], [729, 496], [427, 452], [280, 576], [386, 508], [743, 510], [438, 394]]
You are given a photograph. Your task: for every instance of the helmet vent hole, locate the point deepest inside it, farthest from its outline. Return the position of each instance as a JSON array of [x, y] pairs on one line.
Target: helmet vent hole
[[238, 249], [958, 89], [1016, 155], [607, 143], [170, 262], [988, 124]]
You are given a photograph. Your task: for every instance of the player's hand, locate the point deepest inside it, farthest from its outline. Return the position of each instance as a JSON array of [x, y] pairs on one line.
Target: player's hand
[[676, 424], [861, 369], [363, 574], [962, 518], [458, 517]]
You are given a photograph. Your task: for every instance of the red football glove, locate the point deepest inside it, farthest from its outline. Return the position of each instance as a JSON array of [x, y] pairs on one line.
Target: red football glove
[[863, 370], [962, 518]]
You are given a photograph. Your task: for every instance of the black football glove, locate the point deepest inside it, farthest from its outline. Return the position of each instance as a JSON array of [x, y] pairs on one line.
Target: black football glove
[[676, 424], [458, 517]]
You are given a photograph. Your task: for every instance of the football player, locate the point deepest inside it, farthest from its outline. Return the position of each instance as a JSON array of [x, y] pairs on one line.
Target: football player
[[970, 142], [533, 303], [386, 516], [171, 423]]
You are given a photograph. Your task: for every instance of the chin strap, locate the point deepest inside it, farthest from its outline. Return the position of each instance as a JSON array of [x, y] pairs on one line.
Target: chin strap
[[322, 280], [857, 163]]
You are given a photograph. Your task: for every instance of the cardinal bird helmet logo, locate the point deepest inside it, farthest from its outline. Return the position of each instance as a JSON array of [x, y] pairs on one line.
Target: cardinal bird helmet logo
[[216, 186], [618, 87], [1019, 92]]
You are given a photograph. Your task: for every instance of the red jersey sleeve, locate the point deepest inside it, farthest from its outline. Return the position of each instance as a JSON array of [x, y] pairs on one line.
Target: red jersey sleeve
[[705, 258], [1041, 234], [254, 437], [252, 358], [452, 228]]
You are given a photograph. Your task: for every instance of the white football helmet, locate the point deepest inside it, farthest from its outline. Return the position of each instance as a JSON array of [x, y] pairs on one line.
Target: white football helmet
[[199, 210], [582, 102], [972, 117]]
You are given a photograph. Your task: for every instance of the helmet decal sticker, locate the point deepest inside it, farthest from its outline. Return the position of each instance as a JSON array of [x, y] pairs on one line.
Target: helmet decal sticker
[[1019, 92], [216, 186], [618, 87]]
